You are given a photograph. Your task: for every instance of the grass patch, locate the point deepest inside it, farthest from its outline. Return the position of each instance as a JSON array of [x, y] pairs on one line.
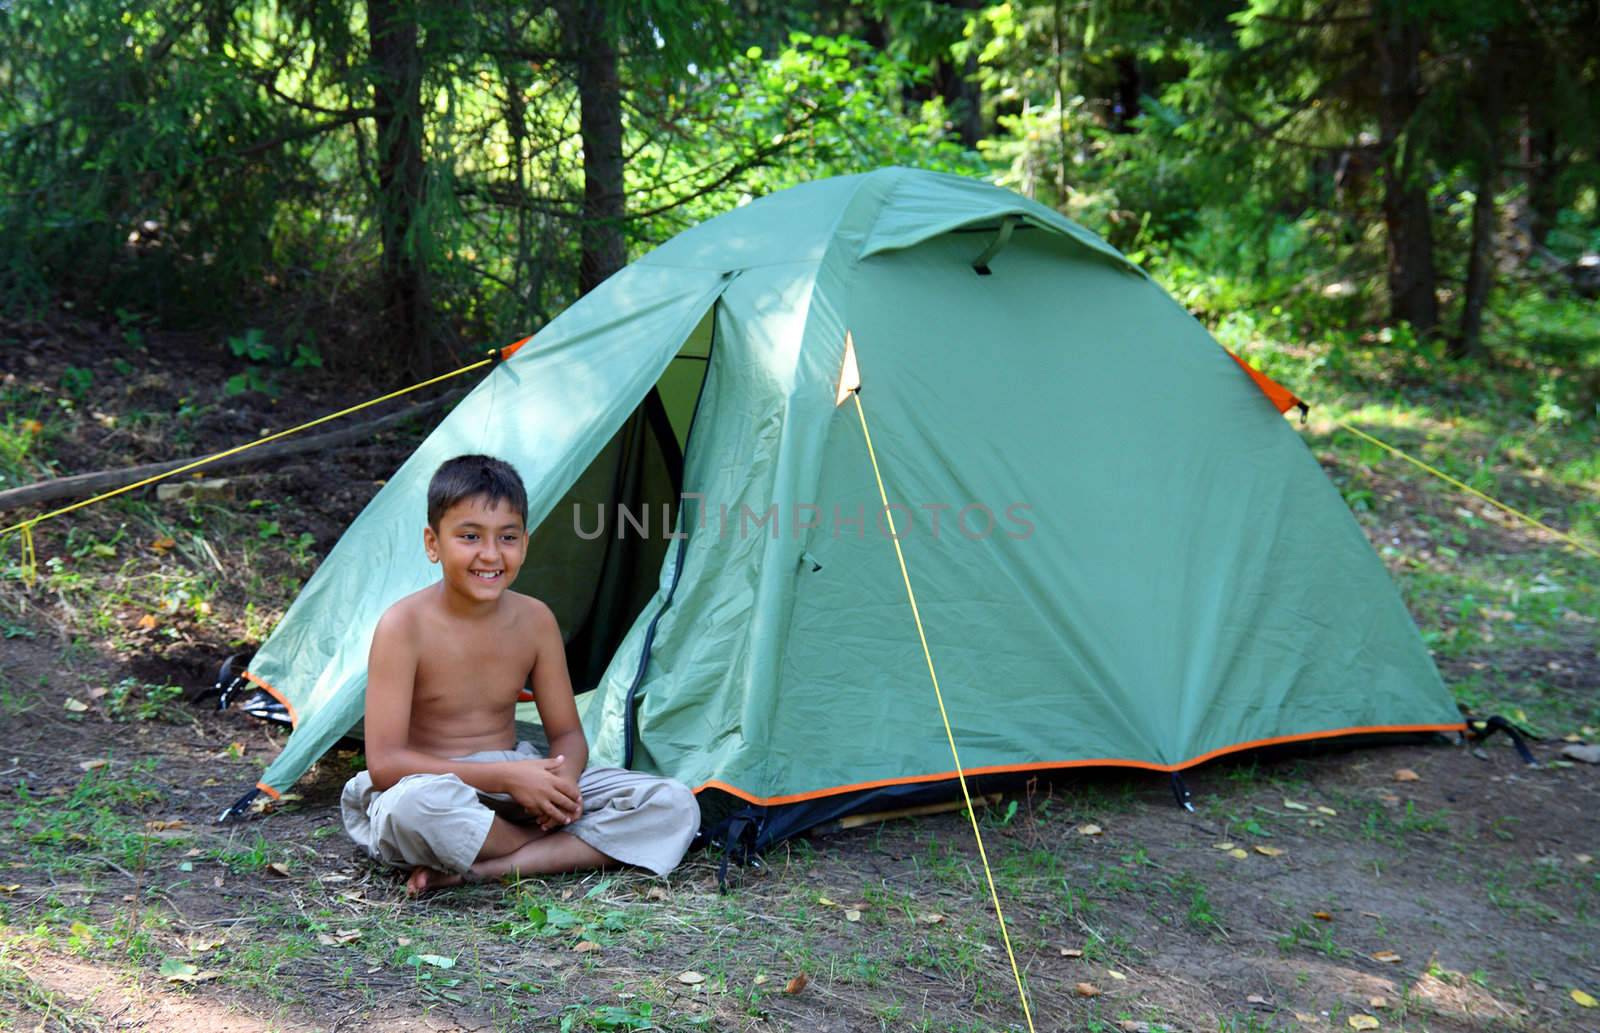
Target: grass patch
[[99, 823]]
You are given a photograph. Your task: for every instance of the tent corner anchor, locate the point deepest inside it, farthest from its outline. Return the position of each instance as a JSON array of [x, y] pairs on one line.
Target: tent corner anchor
[[239, 806], [1180, 792]]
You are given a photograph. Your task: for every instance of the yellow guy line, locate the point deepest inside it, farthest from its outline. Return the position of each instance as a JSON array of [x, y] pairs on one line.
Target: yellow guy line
[[1569, 539], [894, 535], [26, 526]]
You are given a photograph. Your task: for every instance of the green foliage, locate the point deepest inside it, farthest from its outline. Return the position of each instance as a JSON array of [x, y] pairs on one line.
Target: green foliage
[[133, 699], [206, 165], [260, 354]]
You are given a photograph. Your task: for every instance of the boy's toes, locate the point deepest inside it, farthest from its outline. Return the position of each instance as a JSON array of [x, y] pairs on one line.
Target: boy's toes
[[424, 880]]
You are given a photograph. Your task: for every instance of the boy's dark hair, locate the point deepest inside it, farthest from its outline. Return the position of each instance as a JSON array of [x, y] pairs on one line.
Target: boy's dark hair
[[466, 476]]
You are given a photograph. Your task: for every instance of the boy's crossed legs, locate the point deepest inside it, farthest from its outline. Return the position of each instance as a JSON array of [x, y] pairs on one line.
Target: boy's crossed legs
[[442, 829], [512, 849]]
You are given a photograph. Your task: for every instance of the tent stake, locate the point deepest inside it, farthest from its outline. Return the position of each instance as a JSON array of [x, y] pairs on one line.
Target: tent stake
[[239, 806], [1180, 790]]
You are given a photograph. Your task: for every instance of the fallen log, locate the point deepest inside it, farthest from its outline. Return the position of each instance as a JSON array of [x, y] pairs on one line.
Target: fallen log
[[107, 480]]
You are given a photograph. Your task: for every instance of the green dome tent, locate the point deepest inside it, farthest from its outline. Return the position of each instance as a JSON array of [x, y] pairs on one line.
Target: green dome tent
[[1123, 553]]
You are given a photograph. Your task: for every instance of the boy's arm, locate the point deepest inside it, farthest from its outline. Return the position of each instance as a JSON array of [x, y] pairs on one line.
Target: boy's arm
[[391, 680], [552, 694]]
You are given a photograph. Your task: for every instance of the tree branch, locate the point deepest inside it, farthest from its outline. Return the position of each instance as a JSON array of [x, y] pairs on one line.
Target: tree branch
[[105, 480]]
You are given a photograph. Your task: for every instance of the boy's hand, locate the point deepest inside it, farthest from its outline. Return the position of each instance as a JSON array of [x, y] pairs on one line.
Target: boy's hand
[[539, 787]]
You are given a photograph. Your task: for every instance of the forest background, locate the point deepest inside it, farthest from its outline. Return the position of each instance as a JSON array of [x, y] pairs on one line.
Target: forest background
[[393, 185], [220, 218]]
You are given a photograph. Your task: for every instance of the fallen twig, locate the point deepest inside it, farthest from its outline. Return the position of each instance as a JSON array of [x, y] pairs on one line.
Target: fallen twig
[[106, 480]]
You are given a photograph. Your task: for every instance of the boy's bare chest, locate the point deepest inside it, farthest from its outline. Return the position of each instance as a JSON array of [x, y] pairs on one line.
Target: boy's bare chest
[[488, 668]]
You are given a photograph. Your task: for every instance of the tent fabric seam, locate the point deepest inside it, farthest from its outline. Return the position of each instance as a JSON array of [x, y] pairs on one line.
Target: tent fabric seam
[[1002, 769]]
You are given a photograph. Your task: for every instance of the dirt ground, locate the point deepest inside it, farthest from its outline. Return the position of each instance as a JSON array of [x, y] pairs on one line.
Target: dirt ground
[[1477, 877], [1418, 886]]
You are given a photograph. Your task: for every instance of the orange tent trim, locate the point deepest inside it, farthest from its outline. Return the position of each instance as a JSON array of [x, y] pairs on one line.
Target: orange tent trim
[[294, 718], [511, 349], [1279, 395], [1050, 765]]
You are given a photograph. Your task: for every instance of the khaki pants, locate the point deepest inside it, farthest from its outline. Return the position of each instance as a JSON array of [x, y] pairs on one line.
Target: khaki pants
[[440, 822]]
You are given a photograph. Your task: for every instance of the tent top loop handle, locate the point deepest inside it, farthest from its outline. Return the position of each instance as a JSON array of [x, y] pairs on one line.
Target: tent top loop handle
[[980, 265]]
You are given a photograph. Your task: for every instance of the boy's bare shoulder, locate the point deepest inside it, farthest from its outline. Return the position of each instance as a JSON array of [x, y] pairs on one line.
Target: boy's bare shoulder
[[404, 615], [534, 611]]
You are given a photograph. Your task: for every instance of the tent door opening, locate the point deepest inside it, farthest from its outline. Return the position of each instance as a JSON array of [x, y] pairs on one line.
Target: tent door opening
[[597, 558]]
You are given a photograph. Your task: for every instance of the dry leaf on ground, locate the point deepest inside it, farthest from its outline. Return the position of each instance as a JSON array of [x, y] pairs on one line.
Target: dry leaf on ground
[[852, 915], [336, 938], [76, 706], [1090, 830], [175, 970], [1584, 1000], [1238, 852], [1295, 805], [1406, 775], [1268, 851], [1387, 957], [1071, 952], [586, 946], [92, 765], [1329, 811], [691, 978], [930, 918], [1363, 1022], [796, 984], [1322, 916], [1222, 846], [1086, 990]]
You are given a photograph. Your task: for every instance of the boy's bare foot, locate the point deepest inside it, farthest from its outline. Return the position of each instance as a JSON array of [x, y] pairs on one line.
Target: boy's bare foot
[[426, 880]]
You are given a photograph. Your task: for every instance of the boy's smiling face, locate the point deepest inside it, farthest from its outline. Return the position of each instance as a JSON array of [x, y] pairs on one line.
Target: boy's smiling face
[[481, 546]]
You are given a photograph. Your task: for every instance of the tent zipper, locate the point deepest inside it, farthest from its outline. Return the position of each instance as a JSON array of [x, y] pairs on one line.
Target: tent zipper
[[628, 720], [628, 729]]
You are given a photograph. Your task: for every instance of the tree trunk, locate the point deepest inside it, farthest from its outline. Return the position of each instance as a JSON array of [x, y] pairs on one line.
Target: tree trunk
[[1480, 267], [1406, 215], [1485, 217], [397, 107], [1542, 156], [963, 97], [1125, 107], [604, 249]]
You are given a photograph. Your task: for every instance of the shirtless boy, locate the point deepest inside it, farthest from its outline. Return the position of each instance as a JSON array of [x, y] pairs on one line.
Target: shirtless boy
[[448, 791]]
